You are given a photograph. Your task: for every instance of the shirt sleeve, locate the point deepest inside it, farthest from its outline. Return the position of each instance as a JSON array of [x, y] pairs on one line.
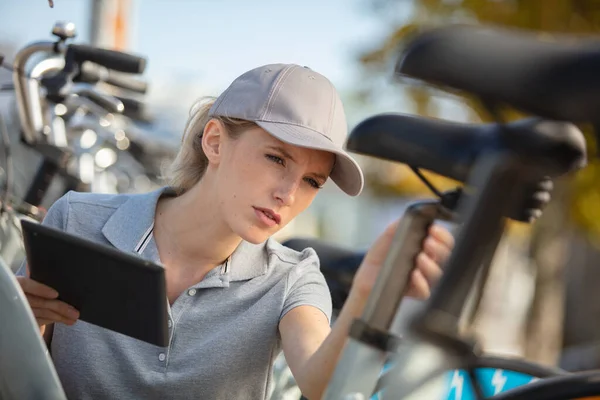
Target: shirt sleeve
[[306, 285], [56, 217]]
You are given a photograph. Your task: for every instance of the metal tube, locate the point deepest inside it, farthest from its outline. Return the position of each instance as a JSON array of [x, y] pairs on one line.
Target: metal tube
[[22, 91]]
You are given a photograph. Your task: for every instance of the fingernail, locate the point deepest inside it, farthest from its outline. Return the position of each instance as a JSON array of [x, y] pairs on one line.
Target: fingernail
[[73, 312]]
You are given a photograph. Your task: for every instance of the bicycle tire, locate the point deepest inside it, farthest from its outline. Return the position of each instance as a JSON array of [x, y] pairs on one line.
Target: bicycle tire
[[572, 386], [519, 365], [516, 373]]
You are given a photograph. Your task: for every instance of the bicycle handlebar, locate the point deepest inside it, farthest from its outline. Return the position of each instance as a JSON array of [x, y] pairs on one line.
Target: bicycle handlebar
[[112, 59]]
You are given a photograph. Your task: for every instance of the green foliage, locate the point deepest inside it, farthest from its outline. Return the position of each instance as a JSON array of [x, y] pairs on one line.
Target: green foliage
[[548, 17]]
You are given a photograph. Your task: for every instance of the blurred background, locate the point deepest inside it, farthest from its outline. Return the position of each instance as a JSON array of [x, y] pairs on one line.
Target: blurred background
[[541, 300]]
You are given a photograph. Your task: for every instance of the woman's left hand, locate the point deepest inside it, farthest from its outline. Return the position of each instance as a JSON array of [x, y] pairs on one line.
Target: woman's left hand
[[435, 251]]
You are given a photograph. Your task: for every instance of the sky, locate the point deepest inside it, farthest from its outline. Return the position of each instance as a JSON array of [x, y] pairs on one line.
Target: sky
[[197, 47], [209, 42]]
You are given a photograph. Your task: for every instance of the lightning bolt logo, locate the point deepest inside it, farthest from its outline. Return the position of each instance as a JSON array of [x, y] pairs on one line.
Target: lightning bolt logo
[[457, 384], [498, 381]]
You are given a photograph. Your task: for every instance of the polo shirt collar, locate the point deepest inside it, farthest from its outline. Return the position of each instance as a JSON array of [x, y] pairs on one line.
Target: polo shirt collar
[[132, 223]]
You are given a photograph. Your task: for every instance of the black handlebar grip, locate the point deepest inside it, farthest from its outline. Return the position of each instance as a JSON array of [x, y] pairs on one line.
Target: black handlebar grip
[[112, 59]]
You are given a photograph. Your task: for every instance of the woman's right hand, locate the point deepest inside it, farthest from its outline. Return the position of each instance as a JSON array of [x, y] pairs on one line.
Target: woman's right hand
[[46, 308]]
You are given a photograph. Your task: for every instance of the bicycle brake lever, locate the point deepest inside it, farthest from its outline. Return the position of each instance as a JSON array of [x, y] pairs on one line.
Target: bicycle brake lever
[[79, 102], [106, 101]]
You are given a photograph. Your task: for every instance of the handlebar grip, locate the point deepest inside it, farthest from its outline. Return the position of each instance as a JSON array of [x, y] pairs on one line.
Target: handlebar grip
[[112, 59]]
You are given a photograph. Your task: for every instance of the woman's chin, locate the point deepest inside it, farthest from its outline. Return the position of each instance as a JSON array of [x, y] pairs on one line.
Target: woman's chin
[[255, 235]]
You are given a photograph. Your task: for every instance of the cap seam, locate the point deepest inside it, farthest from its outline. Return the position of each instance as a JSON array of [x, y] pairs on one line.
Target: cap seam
[[295, 124], [217, 104], [332, 108], [275, 90]]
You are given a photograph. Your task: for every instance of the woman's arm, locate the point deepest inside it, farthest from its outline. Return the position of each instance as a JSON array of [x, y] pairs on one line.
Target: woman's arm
[[312, 348]]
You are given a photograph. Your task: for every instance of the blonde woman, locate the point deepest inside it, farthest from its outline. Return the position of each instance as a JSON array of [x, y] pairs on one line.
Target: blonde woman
[[250, 162]]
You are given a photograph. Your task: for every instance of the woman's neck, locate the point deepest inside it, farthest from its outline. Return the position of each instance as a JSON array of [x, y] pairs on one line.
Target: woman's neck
[[190, 232]]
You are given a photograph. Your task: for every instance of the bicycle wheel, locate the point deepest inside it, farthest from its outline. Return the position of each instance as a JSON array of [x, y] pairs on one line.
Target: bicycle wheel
[[572, 386], [493, 375]]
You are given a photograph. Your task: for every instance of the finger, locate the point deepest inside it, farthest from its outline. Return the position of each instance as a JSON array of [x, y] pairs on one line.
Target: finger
[[546, 185], [38, 289], [532, 215], [379, 249], [419, 286], [47, 314], [541, 197], [436, 250], [429, 268], [442, 234], [57, 306], [538, 200], [43, 321]]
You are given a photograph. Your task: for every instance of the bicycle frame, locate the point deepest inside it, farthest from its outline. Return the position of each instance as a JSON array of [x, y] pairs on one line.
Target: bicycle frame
[[496, 176], [25, 361]]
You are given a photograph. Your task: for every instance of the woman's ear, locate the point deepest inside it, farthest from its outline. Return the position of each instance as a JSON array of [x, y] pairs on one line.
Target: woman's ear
[[212, 140]]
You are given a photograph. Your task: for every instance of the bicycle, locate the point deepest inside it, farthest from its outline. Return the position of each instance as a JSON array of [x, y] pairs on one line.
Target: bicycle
[[494, 374], [491, 164], [48, 95]]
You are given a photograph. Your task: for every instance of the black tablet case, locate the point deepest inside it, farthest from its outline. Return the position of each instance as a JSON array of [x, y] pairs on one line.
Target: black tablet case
[[112, 289]]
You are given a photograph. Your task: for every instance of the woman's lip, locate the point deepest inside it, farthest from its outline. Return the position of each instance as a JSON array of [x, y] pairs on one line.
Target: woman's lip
[[262, 217], [276, 218]]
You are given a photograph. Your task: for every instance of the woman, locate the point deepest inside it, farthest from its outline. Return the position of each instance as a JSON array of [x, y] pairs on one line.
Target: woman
[[250, 162]]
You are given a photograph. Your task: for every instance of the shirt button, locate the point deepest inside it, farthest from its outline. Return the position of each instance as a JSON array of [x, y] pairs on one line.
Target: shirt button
[[169, 323], [161, 357], [192, 292]]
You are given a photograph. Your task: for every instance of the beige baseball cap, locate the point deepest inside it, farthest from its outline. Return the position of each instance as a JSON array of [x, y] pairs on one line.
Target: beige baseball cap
[[298, 106]]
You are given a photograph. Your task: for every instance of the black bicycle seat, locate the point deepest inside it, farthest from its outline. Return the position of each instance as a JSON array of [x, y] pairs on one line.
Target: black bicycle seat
[[553, 79], [337, 264], [451, 148]]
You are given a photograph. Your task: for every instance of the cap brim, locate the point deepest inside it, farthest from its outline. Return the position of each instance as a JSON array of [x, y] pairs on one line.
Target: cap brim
[[346, 172]]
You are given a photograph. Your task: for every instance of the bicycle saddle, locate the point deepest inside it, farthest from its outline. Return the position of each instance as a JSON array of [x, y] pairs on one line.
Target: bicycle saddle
[[553, 79], [451, 148]]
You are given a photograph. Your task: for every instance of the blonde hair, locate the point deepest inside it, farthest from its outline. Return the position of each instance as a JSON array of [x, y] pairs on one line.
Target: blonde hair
[[190, 163]]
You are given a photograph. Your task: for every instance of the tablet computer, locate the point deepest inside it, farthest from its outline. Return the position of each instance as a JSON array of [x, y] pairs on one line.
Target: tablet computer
[[113, 289]]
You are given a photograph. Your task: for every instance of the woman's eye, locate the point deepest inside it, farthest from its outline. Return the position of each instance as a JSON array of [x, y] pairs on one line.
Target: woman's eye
[[276, 159], [313, 183]]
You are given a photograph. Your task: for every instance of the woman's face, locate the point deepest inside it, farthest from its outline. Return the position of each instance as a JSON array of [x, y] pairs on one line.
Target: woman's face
[[264, 183]]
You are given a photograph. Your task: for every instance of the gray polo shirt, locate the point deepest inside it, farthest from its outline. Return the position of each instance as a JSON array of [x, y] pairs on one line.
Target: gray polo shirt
[[223, 330]]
